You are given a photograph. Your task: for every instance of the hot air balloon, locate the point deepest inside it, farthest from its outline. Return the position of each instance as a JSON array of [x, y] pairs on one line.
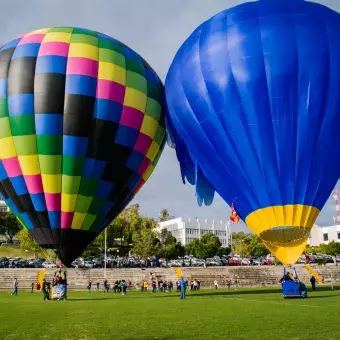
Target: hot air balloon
[[81, 130], [253, 112]]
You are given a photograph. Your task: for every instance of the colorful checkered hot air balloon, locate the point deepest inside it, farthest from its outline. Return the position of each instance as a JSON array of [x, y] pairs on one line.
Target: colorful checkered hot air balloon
[[81, 130]]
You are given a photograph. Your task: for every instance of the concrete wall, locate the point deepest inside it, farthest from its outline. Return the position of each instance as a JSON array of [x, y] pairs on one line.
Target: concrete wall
[[246, 276]]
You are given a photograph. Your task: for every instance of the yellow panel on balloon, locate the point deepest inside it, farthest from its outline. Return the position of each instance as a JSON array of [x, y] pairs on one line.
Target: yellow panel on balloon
[[51, 183], [152, 152], [68, 202], [78, 219], [284, 229], [112, 72], [7, 148], [135, 99], [149, 126], [57, 37], [83, 50], [148, 172], [29, 164]]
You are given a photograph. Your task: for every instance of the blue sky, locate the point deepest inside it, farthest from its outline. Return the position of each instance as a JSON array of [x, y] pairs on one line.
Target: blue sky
[[155, 29]]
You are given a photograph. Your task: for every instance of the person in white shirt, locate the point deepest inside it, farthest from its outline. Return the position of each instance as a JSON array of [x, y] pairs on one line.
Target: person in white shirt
[[215, 284], [15, 287]]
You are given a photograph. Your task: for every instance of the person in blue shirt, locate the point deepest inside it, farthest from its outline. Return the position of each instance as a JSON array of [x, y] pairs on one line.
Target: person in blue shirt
[[182, 284]]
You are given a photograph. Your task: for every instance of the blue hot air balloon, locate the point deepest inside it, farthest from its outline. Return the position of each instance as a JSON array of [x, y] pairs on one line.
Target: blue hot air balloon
[[253, 101]]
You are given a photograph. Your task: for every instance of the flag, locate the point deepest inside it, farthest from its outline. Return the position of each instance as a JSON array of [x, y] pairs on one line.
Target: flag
[[234, 218]]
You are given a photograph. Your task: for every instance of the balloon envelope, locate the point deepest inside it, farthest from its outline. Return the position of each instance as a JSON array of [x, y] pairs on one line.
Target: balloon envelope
[[81, 130], [253, 111]]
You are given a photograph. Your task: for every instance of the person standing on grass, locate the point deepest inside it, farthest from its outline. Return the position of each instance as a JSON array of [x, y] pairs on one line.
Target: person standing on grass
[[15, 287], [97, 286], [215, 284], [89, 286], [45, 290], [235, 284], [182, 283], [313, 281]]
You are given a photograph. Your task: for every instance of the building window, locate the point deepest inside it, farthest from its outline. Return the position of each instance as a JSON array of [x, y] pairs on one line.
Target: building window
[[3, 209], [338, 235], [325, 237]]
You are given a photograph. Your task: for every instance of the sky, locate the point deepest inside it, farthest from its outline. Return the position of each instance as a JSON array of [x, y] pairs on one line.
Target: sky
[[155, 29]]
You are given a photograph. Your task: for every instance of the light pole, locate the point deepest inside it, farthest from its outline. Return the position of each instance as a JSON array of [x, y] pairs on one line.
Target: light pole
[[26, 251], [105, 255]]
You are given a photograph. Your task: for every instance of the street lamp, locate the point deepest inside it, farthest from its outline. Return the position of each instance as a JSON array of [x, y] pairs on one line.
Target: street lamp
[[26, 253]]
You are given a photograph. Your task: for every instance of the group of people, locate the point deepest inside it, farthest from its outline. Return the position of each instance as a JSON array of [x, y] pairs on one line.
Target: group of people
[[119, 286]]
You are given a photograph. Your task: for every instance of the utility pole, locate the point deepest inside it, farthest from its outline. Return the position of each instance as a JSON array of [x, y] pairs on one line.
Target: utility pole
[[105, 255]]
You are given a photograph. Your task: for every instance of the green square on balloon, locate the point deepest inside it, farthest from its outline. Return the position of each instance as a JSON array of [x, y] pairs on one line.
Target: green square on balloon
[[136, 81], [159, 136], [70, 184], [73, 166], [22, 125], [88, 221], [50, 144], [84, 39], [3, 107], [61, 29], [50, 164], [110, 45], [83, 203], [25, 145], [88, 186], [153, 109], [96, 205], [135, 66], [5, 128], [112, 57]]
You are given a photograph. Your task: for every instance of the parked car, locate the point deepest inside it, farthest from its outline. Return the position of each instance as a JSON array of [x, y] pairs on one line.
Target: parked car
[[48, 264]]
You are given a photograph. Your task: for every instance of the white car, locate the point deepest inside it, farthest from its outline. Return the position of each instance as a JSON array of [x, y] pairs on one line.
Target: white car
[[88, 264], [47, 264]]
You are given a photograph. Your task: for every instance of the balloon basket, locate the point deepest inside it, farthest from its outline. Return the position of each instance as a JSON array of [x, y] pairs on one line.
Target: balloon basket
[[292, 287]]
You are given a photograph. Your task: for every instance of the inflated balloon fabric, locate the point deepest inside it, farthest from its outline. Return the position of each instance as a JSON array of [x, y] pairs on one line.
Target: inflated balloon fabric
[[254, 108], [81, 130]]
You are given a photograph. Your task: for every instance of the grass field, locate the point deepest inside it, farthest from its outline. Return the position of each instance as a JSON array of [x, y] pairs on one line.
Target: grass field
[[244, 314]]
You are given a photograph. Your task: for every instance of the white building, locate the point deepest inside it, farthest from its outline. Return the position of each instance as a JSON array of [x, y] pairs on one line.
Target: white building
[[324, 235], [3, 207], [185, 230]]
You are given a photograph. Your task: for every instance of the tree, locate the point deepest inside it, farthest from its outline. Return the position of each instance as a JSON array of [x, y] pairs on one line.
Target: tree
[[96, 247], [165, 216], [256, 247], [145, 243], [333, 248], [27, 242], [223, 251], [9, 225], [205, 247]]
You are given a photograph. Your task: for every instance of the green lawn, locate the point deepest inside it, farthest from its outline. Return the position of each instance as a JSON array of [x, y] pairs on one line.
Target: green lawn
[[14, 251], [245, 314]]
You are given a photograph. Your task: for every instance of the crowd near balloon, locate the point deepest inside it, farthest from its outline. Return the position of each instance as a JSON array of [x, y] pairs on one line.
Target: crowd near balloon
[[250, 104]]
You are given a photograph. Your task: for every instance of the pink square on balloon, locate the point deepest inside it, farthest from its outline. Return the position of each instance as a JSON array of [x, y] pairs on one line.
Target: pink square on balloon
[[138, 186], [66, 219], [132, 118], [53, 202], [34, 184], [32, 39], [54, 48], [143, 143], [109, 90], [142, 168], [12, 167]]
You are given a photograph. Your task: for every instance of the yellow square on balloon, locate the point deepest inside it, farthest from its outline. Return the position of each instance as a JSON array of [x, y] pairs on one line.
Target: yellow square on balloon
[[57, 37], [83, 50], [152, 152], [148, 172], [135, 99], [7, 148], [149, 126], [68, 202], [51, 183], [29, 164], [78, 219], [108, 71]]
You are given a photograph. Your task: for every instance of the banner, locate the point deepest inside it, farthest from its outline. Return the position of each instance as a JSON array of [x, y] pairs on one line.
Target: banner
[[59, 292]]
